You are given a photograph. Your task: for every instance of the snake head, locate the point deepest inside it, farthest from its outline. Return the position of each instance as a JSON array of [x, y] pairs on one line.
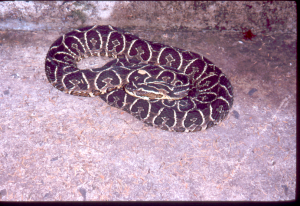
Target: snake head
[[157, 82]]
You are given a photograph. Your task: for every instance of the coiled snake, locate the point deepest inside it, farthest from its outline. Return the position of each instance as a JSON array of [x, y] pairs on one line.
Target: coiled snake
[[165, 87]]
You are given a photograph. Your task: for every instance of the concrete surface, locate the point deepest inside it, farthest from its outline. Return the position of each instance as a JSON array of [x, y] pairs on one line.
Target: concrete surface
[[55, 146]]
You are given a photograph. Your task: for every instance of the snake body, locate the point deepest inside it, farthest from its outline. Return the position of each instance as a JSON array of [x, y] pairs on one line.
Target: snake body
[[165, 87]]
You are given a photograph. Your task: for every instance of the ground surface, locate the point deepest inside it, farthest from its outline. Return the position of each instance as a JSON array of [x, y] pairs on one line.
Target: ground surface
[[55, 146]]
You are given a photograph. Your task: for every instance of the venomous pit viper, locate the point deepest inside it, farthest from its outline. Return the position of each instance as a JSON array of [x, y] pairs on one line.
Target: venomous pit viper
[[165, 87]]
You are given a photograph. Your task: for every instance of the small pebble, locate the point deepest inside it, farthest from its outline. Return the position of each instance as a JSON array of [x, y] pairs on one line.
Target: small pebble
[[251, 92], [236, 114]]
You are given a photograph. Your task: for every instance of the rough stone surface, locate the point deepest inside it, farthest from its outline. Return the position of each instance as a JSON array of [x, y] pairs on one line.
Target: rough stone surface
[[261, 17], [55, 146]]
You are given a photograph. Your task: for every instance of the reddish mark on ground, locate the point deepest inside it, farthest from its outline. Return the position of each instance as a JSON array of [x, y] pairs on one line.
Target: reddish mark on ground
[[248, 35]]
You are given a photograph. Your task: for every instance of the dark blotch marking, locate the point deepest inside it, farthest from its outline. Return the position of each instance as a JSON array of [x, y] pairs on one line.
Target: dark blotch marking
[[54, 159], [6, 92], [193, 117], [166, 116], [47, 195], [248, 35], [285, 189], [141, 107], [2, 193], [83, 193], [236, 114], [252, 91]]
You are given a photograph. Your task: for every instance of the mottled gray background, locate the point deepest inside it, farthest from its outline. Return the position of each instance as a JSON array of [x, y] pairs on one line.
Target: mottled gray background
[[55, 146]]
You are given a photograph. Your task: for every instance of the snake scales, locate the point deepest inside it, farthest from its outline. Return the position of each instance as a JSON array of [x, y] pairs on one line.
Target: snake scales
[[165, 87]]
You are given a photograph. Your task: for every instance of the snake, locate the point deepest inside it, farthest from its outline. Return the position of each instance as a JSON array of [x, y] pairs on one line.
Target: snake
[[163, 86]]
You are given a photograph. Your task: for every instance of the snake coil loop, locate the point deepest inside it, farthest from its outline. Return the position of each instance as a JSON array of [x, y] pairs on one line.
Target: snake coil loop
[[164, 86]]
